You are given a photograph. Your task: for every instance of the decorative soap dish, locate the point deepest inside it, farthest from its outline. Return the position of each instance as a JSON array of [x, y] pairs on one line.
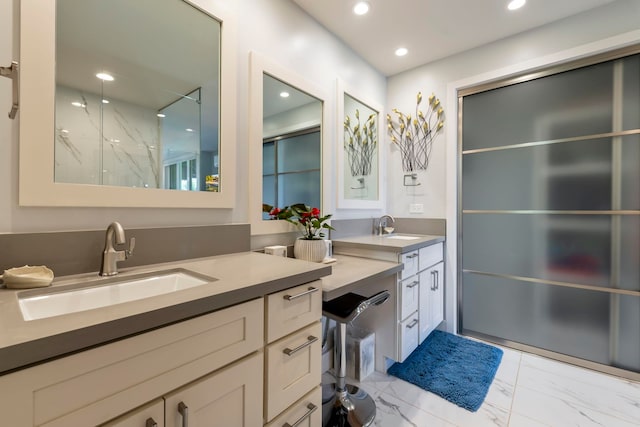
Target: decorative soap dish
[[25, 277]]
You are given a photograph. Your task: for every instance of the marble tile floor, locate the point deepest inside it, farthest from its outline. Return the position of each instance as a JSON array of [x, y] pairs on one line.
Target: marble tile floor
[[528, 391]]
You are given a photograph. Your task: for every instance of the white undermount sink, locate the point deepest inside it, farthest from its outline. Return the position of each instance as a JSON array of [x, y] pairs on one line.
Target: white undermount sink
[[399, 237], [88, 295]]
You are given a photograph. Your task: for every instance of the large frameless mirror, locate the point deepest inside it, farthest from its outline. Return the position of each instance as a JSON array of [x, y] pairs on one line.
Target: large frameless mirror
[[287, 138], [139, 104], [359, 151]]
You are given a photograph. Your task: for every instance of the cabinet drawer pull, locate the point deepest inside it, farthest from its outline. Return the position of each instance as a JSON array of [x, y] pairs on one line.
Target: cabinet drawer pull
[[413, 284], [151, 423], [412, 256], [412, 324], [307, 292], [311, 339], [184, 411], [311, 409]]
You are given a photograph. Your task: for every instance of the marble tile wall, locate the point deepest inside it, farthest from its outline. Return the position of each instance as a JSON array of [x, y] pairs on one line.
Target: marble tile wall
[[117, 142]]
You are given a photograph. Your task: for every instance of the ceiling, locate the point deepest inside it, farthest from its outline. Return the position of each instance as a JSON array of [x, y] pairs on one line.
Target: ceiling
[[432, 29]]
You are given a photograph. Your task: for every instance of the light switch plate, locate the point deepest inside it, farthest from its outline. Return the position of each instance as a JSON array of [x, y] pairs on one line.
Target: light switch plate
[[416, 208]]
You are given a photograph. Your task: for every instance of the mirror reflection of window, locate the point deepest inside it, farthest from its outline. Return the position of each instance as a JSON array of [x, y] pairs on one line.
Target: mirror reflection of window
[[291, 146], [137, 93]]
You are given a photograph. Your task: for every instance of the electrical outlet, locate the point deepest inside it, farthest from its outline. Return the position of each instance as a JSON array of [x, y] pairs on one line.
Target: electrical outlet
[[416, 208]]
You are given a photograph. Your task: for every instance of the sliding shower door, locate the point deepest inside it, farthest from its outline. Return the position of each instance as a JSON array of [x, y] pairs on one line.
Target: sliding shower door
[[550, 212]]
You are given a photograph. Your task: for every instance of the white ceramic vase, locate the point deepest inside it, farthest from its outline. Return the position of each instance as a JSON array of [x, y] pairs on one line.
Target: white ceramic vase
[[310, 250]]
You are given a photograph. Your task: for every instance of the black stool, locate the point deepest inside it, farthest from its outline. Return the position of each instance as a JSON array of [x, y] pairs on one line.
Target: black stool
[[345, 405]]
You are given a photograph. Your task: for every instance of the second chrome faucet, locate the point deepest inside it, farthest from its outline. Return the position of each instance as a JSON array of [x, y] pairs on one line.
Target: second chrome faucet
[[110, 256]]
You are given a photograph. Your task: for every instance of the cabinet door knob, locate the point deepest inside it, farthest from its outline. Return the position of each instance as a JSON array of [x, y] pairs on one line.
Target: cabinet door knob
[[151, 423], [311, 409], [307, 292], [184, 411], [311, 339]]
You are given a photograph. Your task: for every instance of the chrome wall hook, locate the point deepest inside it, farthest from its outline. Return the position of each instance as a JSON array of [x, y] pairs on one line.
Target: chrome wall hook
[[12, 73], [413, 177]]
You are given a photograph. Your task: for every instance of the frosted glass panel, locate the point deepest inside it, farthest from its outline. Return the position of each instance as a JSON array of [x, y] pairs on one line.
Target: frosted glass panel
[[631, 93], [299, 188], [299, 153], [564, 320], [630, 172], [567, 248], [628, 344], [569, 104], [630, 254], [565, 176]]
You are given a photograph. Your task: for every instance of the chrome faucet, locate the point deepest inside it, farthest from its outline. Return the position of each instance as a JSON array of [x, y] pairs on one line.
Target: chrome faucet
[[110, 256], [385, 229]]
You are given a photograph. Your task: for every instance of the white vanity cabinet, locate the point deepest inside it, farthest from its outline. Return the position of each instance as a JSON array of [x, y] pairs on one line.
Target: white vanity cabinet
[[421, 296], [245, 365], [416, 305]]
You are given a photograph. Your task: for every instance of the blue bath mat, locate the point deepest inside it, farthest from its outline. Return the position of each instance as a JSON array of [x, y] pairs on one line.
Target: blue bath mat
[[455, 368]]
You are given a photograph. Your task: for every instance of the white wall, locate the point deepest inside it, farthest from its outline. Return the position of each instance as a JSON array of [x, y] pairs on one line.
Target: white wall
[[277, 29], [601, 29]]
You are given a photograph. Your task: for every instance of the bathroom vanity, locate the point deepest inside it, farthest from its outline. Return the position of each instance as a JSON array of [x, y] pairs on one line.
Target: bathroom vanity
[[416, 306], [241, 350]]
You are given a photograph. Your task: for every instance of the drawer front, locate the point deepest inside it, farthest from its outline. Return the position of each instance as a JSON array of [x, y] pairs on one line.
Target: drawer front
[[408, 334], [293, 309], [410, 261], [307, 412], [408, 291], [83, 388], [293, 367], [430, 255]]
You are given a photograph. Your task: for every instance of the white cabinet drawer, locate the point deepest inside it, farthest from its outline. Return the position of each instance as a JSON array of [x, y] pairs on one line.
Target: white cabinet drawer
[[307, 412], [96, 385], [293, 367], [410, 261], [430, 255], [408, 290], [292, 309], [408, 335]]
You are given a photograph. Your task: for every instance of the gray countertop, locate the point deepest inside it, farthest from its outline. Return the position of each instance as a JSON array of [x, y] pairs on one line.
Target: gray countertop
[[350, 273], [240, 277], [385, 243]]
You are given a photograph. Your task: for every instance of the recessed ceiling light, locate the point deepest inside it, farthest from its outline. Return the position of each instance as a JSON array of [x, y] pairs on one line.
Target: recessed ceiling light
[[162, 116], [516, 4], [361, 8], [105, 101], [105, 77], [189, 130], [78, 104], [284, 94], [64, 131], [401, 51]]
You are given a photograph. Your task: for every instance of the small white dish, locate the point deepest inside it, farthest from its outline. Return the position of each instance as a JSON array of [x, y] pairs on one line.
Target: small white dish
[[25, 277]]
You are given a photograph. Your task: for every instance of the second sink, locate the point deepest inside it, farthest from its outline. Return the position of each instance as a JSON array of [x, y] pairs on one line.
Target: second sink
[[88, 295]]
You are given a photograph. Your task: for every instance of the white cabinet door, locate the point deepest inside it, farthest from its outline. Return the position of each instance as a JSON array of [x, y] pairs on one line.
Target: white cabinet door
[[431, 304], [149, 415], [229, 397], [436, 299]]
